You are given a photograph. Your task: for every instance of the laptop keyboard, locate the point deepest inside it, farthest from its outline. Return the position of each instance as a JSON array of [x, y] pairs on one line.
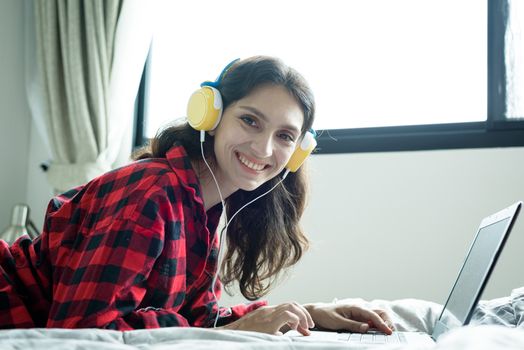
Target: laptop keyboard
[[372, 338]]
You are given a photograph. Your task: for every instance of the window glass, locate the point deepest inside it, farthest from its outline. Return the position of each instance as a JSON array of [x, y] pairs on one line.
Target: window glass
[[369, 62], [514, 52]]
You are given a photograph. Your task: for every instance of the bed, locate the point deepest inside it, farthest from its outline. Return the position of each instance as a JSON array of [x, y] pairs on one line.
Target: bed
[[496, 324]]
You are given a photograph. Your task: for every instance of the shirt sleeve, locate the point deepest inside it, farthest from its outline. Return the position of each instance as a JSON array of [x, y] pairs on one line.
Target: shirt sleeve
[[199, 310], [105, 277], [235, 312], [201, 306]]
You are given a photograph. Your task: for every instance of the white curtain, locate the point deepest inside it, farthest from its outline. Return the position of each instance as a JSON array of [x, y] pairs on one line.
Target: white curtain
[[84, 61]]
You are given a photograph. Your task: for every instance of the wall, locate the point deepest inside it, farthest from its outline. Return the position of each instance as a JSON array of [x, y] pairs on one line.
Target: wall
[[382, 225], [14, 112], [398, 225]]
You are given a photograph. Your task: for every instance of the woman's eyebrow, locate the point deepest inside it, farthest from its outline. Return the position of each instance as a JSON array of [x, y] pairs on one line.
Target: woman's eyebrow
[[262, 116]]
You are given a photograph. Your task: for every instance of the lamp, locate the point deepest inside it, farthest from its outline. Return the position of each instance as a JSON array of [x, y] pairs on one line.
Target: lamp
[[20, 225]]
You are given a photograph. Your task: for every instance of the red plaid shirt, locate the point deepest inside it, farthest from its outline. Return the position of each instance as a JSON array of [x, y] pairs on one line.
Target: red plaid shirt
[[133, 248]]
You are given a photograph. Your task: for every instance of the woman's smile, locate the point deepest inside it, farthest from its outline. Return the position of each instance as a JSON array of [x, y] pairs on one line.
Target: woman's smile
[[250, 163]]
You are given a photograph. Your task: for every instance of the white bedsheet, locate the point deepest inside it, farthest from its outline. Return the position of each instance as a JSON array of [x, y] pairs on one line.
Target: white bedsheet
[[497, 324]]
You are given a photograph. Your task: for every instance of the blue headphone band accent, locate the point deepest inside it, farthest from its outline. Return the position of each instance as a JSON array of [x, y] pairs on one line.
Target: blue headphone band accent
[[313, 132], [217, 82]]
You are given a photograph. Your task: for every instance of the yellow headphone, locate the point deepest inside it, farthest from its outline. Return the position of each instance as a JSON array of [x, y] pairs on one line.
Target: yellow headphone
[[204, 111], [204, 108]]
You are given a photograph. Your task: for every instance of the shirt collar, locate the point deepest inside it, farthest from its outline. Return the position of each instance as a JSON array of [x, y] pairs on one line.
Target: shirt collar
[[181, 164]]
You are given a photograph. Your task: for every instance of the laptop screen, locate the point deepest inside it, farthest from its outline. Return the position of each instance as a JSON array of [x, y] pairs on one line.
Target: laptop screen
[[473, 274]]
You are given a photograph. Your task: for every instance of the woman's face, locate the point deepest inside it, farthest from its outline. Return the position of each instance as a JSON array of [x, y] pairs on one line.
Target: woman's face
[[256, 137]]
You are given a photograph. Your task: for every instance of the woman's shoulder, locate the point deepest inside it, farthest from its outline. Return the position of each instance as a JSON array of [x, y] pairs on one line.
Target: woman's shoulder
[[133, 182], [138, 192], [142, 178]]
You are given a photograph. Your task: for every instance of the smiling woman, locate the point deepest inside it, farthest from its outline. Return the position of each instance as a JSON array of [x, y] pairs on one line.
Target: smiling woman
[[138, 247], [268, 107]]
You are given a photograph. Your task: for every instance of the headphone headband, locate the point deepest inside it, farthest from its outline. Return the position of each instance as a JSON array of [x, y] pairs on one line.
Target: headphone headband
[[218, 80]]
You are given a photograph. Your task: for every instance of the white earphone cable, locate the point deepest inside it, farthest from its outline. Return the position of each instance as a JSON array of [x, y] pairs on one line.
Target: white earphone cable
[[222, 238]]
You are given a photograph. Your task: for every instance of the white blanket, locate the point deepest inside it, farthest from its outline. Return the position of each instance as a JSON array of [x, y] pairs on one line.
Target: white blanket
[[496, 324]]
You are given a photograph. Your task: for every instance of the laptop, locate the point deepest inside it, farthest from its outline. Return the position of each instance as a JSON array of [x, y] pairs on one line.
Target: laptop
[[465, 293]]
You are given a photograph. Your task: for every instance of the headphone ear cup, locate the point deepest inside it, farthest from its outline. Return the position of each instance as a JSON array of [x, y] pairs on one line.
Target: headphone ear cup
[[204, 108], [302, 151]]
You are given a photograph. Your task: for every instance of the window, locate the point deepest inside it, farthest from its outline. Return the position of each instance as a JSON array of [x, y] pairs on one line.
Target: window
[[387, 75]]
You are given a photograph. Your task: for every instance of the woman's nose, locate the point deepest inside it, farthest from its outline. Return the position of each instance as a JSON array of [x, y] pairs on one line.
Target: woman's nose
[[263, 146]]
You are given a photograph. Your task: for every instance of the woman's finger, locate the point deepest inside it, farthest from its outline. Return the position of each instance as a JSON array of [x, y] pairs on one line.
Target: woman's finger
[[305, 319], [352, 325], [296, 323], [385, 316], [286, 317], [374, 318], [310, 322]]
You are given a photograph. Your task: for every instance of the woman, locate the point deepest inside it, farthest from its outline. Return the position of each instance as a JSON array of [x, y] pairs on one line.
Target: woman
[[138, 246]]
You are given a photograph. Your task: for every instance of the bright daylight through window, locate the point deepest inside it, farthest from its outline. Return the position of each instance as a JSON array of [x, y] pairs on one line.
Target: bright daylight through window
[[369, 62], [515, 61]]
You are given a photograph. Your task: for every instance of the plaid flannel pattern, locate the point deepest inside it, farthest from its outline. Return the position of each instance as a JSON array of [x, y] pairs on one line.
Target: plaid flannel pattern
[[133, 248]]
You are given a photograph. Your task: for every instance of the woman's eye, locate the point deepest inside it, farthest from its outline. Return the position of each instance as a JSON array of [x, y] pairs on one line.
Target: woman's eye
[[287, 137], [249, 121]]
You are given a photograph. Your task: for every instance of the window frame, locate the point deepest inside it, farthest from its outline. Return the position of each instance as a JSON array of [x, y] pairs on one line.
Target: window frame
[[496, 131]]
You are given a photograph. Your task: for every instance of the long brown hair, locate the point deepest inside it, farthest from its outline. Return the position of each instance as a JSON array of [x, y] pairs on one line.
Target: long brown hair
[[257, 250]]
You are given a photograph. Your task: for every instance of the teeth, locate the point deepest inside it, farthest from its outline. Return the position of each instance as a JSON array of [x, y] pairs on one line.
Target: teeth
[[250, 164]]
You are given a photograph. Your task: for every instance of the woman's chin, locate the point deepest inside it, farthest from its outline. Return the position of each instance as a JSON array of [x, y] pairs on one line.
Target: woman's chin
[[250, 187]]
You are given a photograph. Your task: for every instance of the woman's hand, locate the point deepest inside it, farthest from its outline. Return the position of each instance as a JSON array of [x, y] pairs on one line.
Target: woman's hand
[[271, 319], [349, 317]]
